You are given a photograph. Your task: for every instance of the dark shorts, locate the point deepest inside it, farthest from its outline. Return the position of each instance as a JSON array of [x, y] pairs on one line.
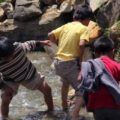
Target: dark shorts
[[68, 71]]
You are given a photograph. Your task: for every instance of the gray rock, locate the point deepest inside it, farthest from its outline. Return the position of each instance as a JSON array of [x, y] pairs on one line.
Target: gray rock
[[26, 10], [8, 9], [109, 13]]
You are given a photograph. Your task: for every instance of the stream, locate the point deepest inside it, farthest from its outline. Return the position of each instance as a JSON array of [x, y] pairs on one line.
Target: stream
[[30, 105]]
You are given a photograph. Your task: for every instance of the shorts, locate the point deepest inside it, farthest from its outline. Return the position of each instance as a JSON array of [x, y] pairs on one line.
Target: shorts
[[31, 84], [68, 71]]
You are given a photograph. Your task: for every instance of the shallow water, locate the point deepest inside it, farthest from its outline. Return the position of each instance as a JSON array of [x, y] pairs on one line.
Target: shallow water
[[26, 103]]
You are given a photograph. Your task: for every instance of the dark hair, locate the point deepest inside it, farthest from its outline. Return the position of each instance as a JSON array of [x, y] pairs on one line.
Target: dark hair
[[82, 12], [6, 47], [103, 45]]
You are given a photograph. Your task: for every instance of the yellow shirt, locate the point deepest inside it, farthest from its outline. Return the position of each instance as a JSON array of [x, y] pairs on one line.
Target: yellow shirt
[[69, 36]]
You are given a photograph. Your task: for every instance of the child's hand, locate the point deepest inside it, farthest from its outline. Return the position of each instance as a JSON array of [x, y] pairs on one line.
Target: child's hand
[[46, 42], [79, 77]]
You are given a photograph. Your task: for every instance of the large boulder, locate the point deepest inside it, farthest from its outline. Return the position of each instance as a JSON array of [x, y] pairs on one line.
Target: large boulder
[[108, 13], [96, 4], [30, 23], [26, 10]]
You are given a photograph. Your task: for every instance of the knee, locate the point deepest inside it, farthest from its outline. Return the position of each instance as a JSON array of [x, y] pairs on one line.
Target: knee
[[6, 96], [45, 88]]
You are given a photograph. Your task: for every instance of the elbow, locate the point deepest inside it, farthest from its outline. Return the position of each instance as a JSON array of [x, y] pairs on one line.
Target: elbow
[[51, 37]]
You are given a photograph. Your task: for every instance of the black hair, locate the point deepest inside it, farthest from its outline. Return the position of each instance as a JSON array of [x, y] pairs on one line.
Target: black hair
[[103, 45], [82, 12], [6, 47]]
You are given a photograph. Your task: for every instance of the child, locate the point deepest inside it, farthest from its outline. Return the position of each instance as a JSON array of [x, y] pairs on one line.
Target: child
[[102, 102], [71, 39], [17, 69]]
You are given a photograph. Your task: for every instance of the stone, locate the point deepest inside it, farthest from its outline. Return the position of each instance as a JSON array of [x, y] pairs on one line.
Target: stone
[[26, 10]]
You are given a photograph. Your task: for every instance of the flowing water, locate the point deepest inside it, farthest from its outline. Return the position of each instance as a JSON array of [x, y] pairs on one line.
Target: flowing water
[[26, 103]]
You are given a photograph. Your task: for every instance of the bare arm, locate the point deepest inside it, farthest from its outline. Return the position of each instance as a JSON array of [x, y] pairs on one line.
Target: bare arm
[[52, 38], [44, 42], [82, 48], [32, 44]]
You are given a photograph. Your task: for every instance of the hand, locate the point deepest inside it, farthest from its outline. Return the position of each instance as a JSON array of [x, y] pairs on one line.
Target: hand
[[46, 42], [79, 77]]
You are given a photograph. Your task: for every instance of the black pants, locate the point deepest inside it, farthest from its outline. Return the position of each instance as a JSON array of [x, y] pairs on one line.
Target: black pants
[[107, 114]]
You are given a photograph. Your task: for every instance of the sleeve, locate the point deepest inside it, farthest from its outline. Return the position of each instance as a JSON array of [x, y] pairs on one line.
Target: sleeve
[[85, 34], [57, 32], [28, 45], [95, 32]]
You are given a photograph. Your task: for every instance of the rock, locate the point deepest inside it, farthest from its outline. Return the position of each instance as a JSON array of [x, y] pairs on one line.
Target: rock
[[96, 4], [25, 10], [108, 13], [67, 6], [2, 14], [8, 9], [51, 50], [48, 2], [42, 115], [79, 2], [50, 15]]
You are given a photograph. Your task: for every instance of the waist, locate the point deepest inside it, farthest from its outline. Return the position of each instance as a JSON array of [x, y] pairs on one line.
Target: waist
[[68, 62], [66, 58]]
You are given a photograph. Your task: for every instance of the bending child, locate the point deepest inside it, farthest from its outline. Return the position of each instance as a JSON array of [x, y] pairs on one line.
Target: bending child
[[17, 70], [71, 39], [104, 102]]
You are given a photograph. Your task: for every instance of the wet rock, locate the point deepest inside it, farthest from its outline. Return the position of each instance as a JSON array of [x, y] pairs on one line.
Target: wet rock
[[42, 115]]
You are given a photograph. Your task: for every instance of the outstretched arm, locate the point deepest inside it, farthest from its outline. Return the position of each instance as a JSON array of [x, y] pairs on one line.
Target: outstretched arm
[[44, 42], [31, 45], [82, 48]]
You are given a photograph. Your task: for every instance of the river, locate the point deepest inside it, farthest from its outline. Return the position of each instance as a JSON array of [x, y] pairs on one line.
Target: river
[[25, 104]]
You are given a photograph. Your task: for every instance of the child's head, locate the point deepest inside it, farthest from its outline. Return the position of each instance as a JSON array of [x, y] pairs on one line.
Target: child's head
[[82, 12], [6, 47], [103, 46]]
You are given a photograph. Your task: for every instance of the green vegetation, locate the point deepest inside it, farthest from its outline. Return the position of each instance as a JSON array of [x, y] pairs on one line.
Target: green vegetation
[[114, 32], [2, 1], [107, 32], [117, 33]]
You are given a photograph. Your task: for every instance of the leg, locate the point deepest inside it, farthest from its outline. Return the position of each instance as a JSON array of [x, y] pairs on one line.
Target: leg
[[6, 96], [64, 95], [46, 90], [107, 114], [100, 114], [78, 105]]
